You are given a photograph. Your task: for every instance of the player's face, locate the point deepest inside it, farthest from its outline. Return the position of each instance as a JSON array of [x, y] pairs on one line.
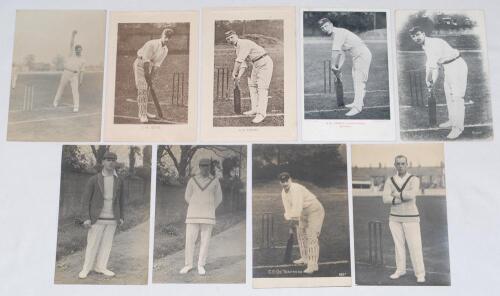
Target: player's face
[[401, 165], [285, 184], [108, 163], [204, 169], [327, 28], [164, 39], [418, 37], [233, 39]]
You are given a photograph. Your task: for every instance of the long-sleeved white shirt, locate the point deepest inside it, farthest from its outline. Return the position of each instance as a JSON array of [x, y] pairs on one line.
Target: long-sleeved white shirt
[[247, 48], [435, 49], [204, 195], [346, 40], [154, 52], [404, 206], [295, 200]]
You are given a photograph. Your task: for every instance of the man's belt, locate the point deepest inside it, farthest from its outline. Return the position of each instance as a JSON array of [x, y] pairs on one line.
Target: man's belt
[[452, 60], [73, 71], [255, 60]]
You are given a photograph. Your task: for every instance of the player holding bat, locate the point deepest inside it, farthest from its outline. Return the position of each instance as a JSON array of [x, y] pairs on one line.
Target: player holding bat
[[440, 54], [262, 72], [346, 41], [306, 214], [149, 58]]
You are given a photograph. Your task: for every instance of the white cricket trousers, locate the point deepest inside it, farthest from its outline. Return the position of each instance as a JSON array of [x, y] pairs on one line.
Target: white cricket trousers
[[192, 230], [360, 70], [308, 231], [409, 232], [99, 243], [258, 84], [455, 84], [72, 79]]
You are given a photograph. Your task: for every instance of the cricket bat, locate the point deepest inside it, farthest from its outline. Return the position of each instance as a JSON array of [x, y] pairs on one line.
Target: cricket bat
[[289, 248], [155, 101], [339, 91], [431, 104], [237, 99]]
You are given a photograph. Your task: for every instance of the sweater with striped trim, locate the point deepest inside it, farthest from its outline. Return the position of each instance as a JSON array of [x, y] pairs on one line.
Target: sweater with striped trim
[[204, 195], [401, 193]]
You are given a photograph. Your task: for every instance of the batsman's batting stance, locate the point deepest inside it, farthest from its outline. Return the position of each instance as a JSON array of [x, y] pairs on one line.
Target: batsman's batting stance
[[260, 78], [440, 54], [346, 41], [306, 214], [149, 58]]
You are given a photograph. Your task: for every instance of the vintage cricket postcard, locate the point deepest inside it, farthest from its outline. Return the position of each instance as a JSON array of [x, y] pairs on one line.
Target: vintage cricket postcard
[[249, 85], [400, 216], [346, 74], [152, 77], [443, 76], [103, 225], [57, 76], [300, 216], [200, 193]]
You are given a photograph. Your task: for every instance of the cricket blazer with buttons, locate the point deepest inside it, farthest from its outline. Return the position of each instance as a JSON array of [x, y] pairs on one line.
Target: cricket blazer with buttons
[[93, 198]]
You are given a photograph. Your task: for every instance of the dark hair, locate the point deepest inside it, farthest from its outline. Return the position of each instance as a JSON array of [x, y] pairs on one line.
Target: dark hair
[[415, 30]]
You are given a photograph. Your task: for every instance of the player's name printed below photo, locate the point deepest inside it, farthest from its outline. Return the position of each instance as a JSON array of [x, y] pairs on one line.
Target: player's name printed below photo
[[57, 76], [443, 76], [249, 64], [399, 206], [152, 63], [300, 216], [346, 74]]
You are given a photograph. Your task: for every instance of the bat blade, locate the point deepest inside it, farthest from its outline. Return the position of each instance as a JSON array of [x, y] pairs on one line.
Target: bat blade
[[432, 108], [289, 248], [339, 91], [237, 100], [156, 102]]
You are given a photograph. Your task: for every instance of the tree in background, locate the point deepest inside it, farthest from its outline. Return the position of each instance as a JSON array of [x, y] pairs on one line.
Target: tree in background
[[58, 62], [180, 170], [320, 164], [29, 61]]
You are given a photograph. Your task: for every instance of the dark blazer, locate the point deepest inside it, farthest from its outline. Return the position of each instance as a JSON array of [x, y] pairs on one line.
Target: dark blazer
[[93, 198]]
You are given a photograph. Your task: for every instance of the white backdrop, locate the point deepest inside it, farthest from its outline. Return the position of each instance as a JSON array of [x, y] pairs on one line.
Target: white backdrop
[[30, 172]]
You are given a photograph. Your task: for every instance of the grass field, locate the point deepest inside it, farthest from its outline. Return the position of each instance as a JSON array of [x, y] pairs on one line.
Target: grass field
[[414, 121], [321, 105], [174, 110], [46, 123], [334, 240], [434, 229], [223, 107]]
